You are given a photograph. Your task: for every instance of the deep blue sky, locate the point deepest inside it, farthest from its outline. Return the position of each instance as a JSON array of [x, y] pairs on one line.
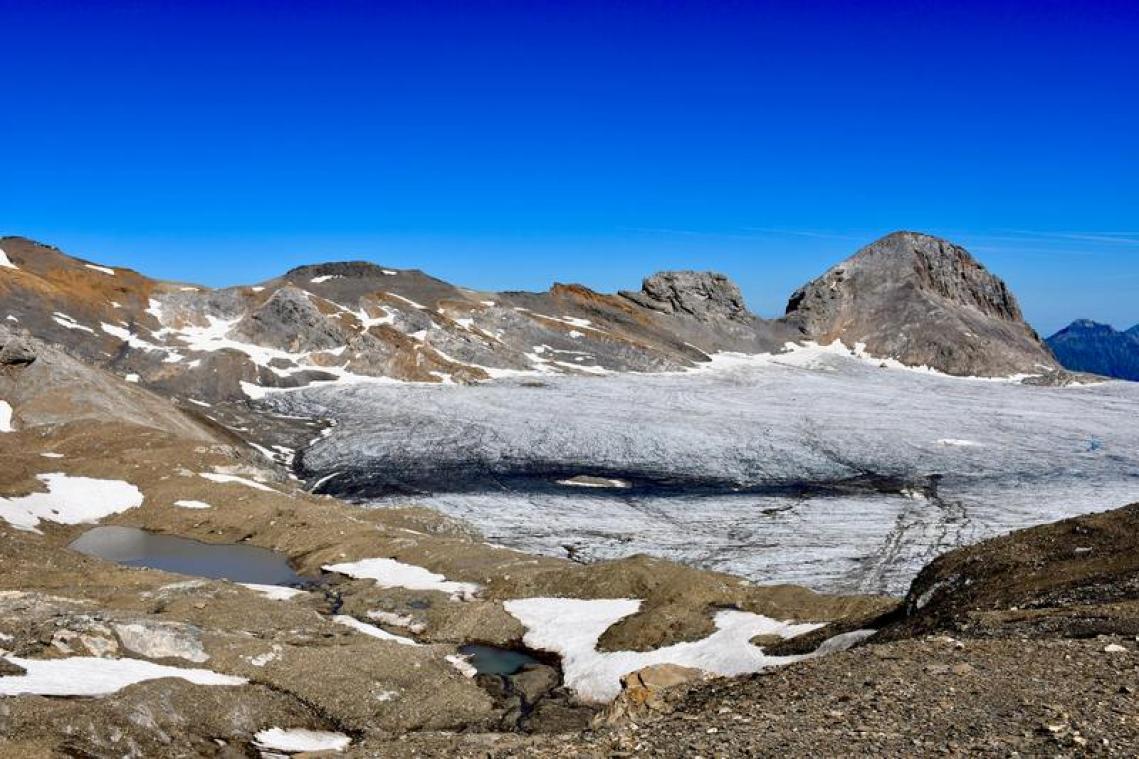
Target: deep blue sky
[[508, 145]]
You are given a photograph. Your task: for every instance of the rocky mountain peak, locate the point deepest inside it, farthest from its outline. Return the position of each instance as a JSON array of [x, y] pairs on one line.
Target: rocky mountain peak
[[350, 269], [705, 295], [924, 301]]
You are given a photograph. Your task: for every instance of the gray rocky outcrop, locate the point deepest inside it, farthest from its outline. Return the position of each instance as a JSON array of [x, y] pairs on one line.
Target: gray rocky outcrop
[[705, 295], [290, 321]]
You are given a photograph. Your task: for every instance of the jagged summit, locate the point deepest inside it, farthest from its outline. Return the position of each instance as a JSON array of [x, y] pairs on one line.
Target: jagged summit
[[923, 301]]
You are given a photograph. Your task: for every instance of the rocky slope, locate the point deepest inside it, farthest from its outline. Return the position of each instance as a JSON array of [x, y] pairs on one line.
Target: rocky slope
[[1087, 346], [358, 320], [924, 302], [909, 297]]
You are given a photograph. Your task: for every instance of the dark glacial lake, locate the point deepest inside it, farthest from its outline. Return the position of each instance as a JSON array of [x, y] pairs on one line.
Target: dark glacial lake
[[133, 547]]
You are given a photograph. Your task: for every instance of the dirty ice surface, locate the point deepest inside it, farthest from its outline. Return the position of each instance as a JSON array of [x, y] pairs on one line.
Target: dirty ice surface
[[811, 467]]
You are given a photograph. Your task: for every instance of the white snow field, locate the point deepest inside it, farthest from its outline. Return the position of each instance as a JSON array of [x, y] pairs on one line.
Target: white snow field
[[94, 676], [69, 500], [816, 467]]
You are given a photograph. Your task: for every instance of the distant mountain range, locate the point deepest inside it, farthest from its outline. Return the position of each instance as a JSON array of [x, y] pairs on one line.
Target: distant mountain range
[[909, 297], [1087, 346]]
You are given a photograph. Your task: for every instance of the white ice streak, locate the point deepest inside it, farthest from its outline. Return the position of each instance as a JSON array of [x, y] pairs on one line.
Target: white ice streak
[[571, 628], [69, 500], [235, 480], [64, 320], [6, 417], [102, 269], [372, 630], [389, 573], [191, 504], [94, 676]]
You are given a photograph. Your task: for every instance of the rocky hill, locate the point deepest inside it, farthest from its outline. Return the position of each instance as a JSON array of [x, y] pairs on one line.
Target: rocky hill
[[924, 302], [909, 297], [1087, 346]]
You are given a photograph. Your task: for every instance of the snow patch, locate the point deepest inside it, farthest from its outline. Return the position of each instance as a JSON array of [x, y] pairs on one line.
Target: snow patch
[[325, 278], [192, 504], [103, 269], [6, 417], [69, 500], [236, 480], [571, 628], [463, 664], [371, 630], [6, 262], [64, 320], [296, 740], [273, 592], [389, 573], [94, 676]]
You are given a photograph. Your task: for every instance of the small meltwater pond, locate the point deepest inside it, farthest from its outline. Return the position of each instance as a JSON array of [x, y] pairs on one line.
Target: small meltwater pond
[[491, 660], [218, 561]]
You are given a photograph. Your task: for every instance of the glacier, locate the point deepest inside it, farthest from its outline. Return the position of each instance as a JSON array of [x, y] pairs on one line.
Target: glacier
[[818, 466]]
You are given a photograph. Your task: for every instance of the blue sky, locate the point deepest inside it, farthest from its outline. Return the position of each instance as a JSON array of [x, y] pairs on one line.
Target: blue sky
[[509, 145]]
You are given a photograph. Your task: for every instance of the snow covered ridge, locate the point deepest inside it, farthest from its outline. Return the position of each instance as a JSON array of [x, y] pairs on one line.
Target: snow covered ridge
[[94, 676], [389, 573], [572, 627], [69, 500]]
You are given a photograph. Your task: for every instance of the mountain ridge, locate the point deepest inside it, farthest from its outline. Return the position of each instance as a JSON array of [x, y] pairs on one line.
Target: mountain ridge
[[353, 320], [1089, 346]]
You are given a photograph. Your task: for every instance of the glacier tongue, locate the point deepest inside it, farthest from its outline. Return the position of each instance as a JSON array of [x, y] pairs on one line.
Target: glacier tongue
[[814, 467]]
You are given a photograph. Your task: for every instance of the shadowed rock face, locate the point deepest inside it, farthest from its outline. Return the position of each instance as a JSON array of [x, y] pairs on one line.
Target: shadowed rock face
[[923, 301], [1088, 346]]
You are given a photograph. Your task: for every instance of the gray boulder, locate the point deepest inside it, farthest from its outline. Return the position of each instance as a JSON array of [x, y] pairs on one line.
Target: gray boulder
[[16, 351]]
